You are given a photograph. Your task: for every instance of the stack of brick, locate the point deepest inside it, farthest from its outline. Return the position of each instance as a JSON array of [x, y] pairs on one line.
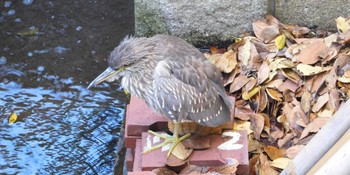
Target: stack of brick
[[140, 118]]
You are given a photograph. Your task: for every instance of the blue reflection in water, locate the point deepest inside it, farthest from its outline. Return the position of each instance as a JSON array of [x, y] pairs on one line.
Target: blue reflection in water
[[58, 132]]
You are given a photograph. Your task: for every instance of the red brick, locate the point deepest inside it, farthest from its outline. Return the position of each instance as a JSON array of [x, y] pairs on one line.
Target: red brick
[[153, 159], [141, 118], [213, 156], [129, 158], [130, 141], [208, 157], [137, 156]]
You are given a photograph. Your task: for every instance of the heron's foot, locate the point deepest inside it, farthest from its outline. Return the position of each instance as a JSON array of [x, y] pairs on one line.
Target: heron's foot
[[174, 140]]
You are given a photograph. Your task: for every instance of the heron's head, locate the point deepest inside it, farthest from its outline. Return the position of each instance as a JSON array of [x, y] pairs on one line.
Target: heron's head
[[127, 55]]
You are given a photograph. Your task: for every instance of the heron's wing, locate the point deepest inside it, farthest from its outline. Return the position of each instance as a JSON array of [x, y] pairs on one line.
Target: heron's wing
[[190, 90]]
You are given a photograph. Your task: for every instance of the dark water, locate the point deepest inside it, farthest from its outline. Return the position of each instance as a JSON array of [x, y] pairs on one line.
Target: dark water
[[49, 52]]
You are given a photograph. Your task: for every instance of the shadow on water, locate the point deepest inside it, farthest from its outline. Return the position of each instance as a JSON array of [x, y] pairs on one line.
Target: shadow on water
[[49, 52]]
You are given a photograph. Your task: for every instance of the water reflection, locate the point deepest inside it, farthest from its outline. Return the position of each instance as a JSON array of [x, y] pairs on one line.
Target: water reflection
[[58, 132]]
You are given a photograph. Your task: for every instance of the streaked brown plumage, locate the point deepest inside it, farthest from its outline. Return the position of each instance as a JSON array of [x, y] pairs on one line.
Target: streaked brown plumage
[[172, 77]]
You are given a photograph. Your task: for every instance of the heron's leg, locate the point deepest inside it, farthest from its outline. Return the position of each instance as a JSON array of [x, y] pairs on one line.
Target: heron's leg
[[174, 139]]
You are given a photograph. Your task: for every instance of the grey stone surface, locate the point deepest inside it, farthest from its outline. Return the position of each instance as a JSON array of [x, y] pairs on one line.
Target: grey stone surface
[[320, 13], [197, 21]]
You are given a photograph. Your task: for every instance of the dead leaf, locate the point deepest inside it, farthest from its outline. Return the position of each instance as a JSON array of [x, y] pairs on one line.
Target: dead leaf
[[287, 138], [330, 39], [307, 70], [250, 85], [257, 124], [314, 126], [280, 41], [181, 152], [13, 118], [245, 51], [247, 95], [291, 75], [238, 83], [262, 99], [215, 50], [253, 144], [309, 54], [242, 125], [344, 79], [305, 101], [299, 32], [266, 29], [227, 62], [163, 171], [274, 94], [229, 169], [193, 169], [293, 151], [321, 101], [263, 72], [280, 163], [197, 142], [264, 166], [274, 152], [343, 24], [223, 169]]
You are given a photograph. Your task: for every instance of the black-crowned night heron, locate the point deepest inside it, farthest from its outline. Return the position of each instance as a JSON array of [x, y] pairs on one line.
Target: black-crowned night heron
[[173, 78]]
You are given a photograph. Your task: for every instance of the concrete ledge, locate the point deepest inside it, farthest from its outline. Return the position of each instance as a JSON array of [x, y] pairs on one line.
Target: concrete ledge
[[312, 13], [197, 21], [207, 22]]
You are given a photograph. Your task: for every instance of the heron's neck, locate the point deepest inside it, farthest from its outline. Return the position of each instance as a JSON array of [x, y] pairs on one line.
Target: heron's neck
[[139, 81]]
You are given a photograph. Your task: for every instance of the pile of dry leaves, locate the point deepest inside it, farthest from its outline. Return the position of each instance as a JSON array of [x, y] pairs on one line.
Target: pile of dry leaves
[[288, 81]]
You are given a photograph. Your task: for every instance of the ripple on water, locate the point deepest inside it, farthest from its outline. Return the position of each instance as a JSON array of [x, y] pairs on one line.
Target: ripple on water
[[58, 132]]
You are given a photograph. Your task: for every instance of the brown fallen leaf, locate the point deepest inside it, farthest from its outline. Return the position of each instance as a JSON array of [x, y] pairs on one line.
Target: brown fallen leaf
[[197, 142], [229, 169], [194, 169], [264, 166], [238, 83], [307, 70], [300, 32], [181, 152], [274, 94], [309, 54], [343, 24], [274, 152], [227, 62], [292, 151], [263, 72], [163, 171], [321, 101], [266, 29], [253, 144], [250, 85], [314, 126], [247, 95], [291, 75], [257, 124], [275, 134], [287, 138], [305, 101], [239, 125], [215, 50], [280, 163], [253, 161], [262, 99]]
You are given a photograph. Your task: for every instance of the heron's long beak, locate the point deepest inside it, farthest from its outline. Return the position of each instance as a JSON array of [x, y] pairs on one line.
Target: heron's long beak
[[108, 73]]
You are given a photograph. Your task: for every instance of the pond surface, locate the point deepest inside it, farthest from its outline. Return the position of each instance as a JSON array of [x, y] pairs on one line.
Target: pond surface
[[49, 52]]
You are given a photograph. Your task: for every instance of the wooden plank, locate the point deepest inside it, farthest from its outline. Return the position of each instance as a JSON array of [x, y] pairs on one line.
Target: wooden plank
[[336, 160], [321, 142]]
